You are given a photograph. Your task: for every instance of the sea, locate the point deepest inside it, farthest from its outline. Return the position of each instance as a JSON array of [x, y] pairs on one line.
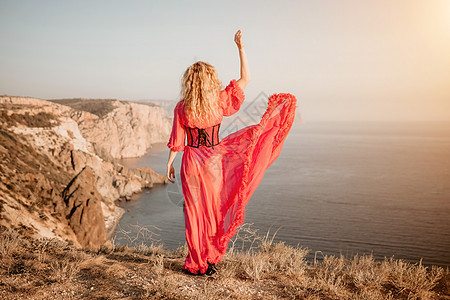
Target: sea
[[337, 188]]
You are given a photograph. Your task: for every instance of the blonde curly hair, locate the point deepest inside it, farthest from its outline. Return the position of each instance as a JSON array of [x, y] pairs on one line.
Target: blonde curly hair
[[200, 89]]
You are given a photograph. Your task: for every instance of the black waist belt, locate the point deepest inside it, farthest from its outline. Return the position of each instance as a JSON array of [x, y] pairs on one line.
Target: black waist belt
[[197, 137]]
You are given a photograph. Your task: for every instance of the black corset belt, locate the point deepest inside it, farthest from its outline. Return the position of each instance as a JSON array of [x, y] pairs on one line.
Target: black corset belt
[[197, 137]]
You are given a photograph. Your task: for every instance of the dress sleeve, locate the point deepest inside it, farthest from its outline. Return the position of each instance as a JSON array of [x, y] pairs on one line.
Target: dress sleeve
[[232, 97], [178, 134]]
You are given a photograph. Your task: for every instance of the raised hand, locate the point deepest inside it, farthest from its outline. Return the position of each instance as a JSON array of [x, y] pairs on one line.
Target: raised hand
[[238, 39]]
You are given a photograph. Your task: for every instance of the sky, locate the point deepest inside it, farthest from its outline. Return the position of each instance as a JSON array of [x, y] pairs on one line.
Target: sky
[[373, 60]]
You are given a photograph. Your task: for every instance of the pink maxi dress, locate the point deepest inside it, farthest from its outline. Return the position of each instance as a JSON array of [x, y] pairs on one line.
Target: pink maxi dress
[[218, 178]]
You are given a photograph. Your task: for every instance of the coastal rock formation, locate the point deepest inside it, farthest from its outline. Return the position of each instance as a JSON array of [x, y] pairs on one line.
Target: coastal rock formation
[[52, 181], [83, 210], [120, 129]]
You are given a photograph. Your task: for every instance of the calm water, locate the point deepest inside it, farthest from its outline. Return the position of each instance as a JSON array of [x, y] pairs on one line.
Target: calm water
[[342, 187]]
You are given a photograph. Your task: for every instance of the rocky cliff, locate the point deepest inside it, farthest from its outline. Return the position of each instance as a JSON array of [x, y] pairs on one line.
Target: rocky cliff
[[54, 182], [119, 129]]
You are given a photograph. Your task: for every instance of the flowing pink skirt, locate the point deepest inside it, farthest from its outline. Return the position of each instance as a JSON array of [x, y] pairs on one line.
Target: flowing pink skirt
[[218, 183]]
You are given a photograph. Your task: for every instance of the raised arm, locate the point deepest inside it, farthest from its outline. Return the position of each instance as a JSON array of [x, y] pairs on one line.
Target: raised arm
[[245, 72]]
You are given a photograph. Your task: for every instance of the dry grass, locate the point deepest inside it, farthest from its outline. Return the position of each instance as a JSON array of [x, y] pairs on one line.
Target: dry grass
[[41, 119], [259, 269], [10, 241], [99, 107]]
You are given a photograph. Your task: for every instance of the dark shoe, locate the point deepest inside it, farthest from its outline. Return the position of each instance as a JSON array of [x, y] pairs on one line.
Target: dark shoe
[[211, 269]]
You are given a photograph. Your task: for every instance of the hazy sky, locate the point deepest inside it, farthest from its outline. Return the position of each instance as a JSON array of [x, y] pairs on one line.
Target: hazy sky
[[343, 60]]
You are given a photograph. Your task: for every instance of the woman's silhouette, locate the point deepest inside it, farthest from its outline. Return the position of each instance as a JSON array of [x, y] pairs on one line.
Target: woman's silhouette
[[219, 177]]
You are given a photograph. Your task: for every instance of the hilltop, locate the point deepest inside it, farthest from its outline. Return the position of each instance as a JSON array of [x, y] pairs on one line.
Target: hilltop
[[53, 269]]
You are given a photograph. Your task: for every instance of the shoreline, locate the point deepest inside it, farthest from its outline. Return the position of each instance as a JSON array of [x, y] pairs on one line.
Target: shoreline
[[136, 195]]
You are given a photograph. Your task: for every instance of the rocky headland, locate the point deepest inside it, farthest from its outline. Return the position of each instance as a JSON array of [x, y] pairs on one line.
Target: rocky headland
[[59, 177]]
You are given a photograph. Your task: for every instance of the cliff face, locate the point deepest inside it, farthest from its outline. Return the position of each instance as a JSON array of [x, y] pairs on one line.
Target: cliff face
[[52, 181], [120, 129]]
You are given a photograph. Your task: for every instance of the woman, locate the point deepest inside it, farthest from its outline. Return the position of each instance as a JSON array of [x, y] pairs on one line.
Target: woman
[[219, 177]]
